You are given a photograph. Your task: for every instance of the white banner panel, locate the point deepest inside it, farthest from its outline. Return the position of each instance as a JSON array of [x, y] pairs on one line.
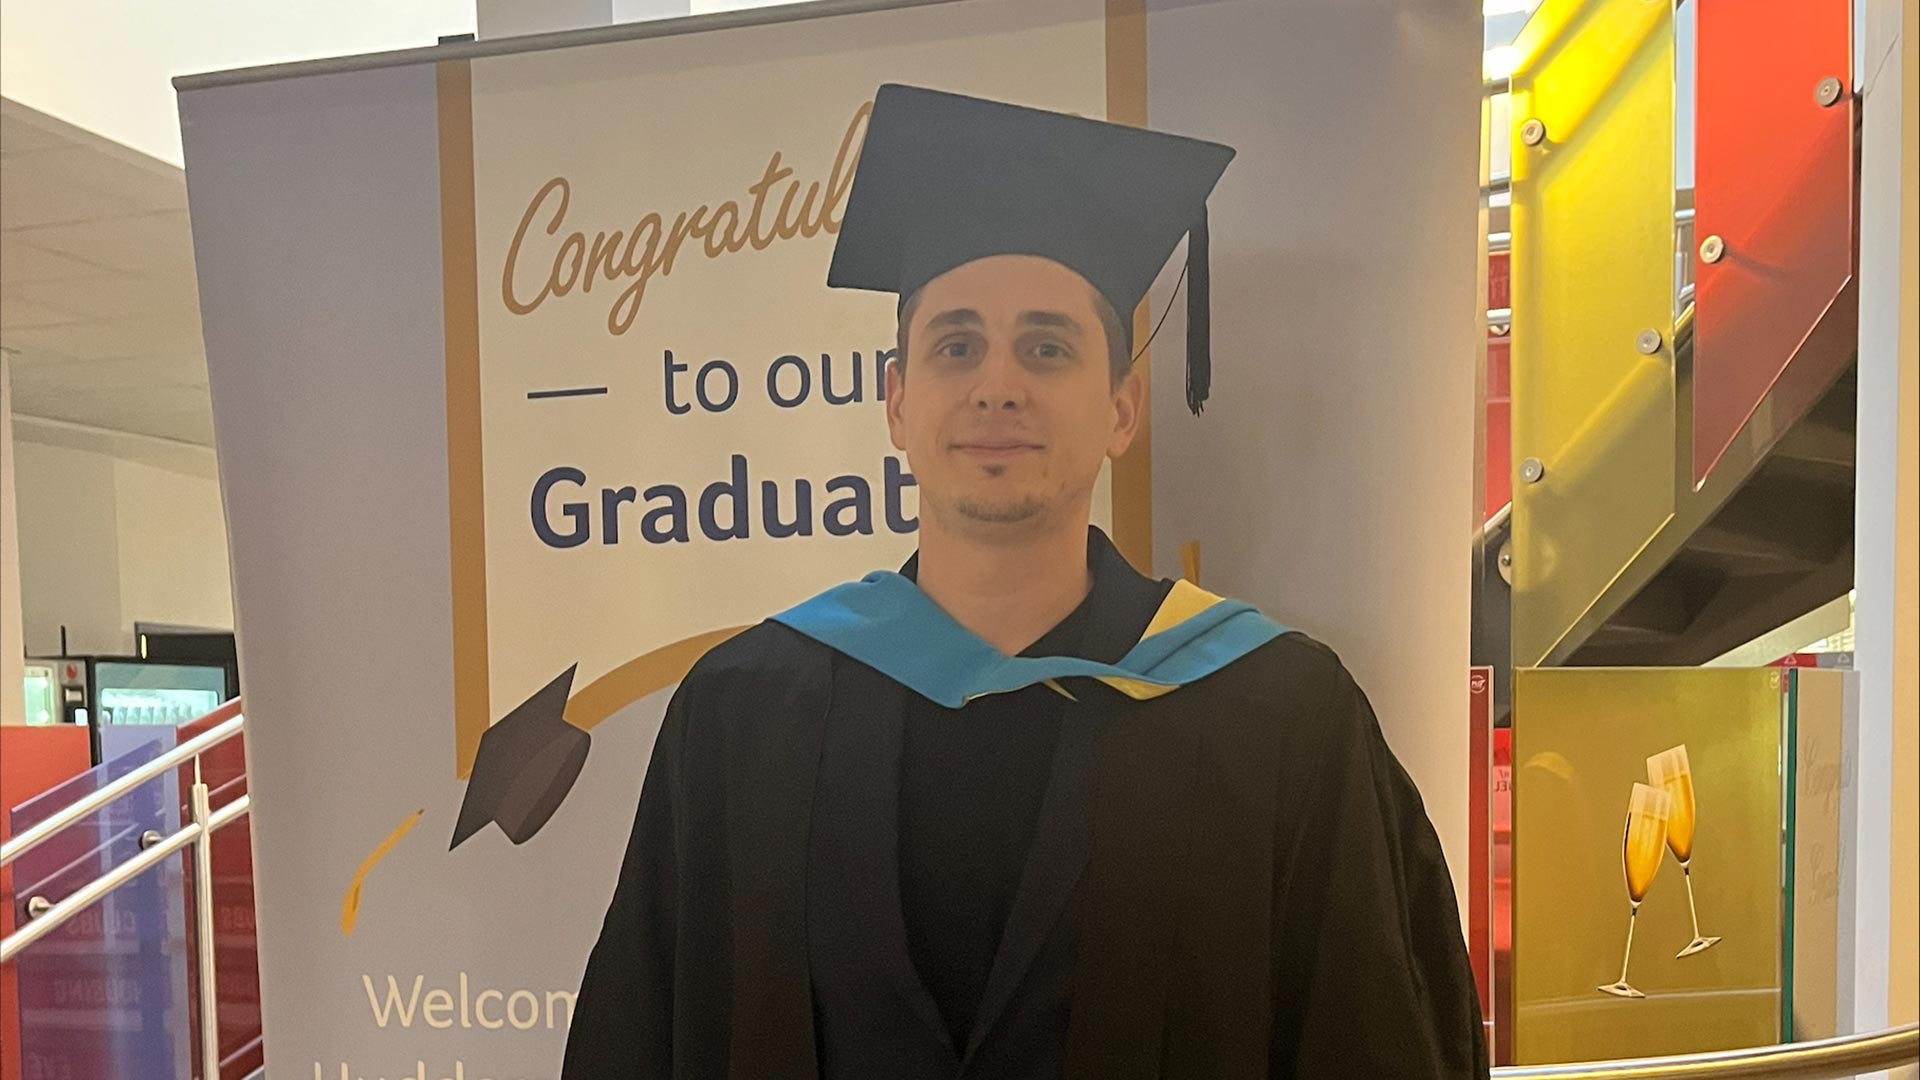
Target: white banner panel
[[527, 389]]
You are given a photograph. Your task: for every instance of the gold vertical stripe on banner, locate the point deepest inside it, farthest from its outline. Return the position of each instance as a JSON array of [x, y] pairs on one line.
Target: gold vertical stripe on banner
[[1132, 471], [460, 305]]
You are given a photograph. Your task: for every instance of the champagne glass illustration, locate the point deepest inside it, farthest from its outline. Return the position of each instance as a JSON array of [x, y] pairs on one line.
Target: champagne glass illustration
[[1670, 772], [1643, 849]]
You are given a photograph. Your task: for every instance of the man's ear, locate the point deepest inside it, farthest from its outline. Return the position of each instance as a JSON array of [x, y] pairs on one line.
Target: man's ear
[[1129, 402], [896, 401]]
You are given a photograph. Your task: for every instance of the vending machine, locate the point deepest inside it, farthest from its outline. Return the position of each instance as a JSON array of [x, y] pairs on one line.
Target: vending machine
[[43, 700], [110, 691], [183, 645]]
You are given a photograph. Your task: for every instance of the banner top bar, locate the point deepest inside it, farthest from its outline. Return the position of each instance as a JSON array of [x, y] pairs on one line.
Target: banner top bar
[[558, 39]]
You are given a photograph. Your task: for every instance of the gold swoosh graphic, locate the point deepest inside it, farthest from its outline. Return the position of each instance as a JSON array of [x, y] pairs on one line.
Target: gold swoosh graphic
[[639, 677], [350, 904], [593, 703]]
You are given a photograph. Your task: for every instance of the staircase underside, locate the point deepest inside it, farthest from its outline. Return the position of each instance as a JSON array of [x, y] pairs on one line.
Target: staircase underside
[[1779, 547]]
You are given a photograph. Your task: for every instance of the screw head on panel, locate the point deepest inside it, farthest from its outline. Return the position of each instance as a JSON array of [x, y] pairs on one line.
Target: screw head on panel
[[1712, 249], [38, 906], [1505, 562], [1533, 133], [1827, 91], [1648, 342], [1531, 470]]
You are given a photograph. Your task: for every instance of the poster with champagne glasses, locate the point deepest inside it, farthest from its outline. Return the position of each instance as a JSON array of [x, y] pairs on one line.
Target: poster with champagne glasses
[[1650, 911]]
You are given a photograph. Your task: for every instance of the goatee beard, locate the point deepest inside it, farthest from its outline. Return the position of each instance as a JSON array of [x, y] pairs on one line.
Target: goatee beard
[[1011, 512]]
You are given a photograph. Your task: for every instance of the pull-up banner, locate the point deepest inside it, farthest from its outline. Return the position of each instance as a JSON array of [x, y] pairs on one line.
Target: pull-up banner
[[528, 389]]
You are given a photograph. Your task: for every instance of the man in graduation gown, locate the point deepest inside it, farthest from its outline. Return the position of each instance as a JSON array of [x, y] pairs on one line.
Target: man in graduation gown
[[1017, 811]]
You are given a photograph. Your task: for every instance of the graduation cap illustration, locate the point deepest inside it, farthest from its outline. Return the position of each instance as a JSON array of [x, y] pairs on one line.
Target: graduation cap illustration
[[945, 179], [524, 767]]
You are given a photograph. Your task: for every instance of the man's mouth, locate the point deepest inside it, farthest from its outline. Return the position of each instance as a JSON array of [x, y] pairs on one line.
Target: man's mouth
[[996, 449]]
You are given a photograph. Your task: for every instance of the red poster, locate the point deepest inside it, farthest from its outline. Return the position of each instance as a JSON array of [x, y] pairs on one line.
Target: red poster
[[1502, 817], [1479, 862]]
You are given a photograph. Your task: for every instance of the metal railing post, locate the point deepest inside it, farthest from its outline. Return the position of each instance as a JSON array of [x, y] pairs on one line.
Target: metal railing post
[[203, 928], [1823, 1059]]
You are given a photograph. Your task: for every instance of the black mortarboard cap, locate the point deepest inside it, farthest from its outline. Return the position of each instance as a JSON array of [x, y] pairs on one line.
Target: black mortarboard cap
[[524, 766], [945, 179]]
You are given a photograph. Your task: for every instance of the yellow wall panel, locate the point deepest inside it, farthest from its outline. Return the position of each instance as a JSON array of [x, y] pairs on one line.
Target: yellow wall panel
[[1593, 237]]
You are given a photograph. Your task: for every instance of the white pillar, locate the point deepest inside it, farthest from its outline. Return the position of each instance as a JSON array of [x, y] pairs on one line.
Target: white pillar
[[1903, 999], [1866, 913], [13, 707]]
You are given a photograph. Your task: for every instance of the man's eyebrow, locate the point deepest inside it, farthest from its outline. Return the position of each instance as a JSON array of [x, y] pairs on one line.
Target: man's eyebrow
[[1053, 320], [956, 318]]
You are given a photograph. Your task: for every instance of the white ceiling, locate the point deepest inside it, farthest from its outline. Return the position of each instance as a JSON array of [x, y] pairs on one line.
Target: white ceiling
[[98, 307]]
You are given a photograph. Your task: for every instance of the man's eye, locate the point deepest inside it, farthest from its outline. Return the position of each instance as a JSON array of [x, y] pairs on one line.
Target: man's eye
[[955, 350], [1051, 350]]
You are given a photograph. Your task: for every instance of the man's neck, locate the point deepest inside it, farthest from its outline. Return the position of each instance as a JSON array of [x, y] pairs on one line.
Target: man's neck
[[1009, 592]]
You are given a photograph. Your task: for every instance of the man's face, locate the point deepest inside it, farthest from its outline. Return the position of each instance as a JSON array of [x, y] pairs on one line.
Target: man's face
[[1006, 406]]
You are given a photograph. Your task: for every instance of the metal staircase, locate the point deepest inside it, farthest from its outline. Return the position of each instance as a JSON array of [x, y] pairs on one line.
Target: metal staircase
[[1683, 396], [1781, 546]]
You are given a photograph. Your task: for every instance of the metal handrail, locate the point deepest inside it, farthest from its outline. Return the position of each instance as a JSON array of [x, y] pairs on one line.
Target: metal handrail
[[1497, 522], [187, 751], [94, 891], [1822, 1059]]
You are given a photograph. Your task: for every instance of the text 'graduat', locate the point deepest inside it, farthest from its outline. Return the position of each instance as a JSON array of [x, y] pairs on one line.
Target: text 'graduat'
[[569, 509]]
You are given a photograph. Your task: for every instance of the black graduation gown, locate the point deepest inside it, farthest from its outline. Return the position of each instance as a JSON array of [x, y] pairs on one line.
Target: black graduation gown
[[1259, 892], [946, 847]]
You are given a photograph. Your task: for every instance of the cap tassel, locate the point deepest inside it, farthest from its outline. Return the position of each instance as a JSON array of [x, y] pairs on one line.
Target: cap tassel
[[1199, 318]]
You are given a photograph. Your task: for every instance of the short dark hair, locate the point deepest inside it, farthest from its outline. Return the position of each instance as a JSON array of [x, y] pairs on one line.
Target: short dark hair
[[1119, 342]]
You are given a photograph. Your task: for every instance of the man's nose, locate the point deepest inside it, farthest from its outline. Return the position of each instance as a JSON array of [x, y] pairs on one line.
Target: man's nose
[[1002, 383]]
